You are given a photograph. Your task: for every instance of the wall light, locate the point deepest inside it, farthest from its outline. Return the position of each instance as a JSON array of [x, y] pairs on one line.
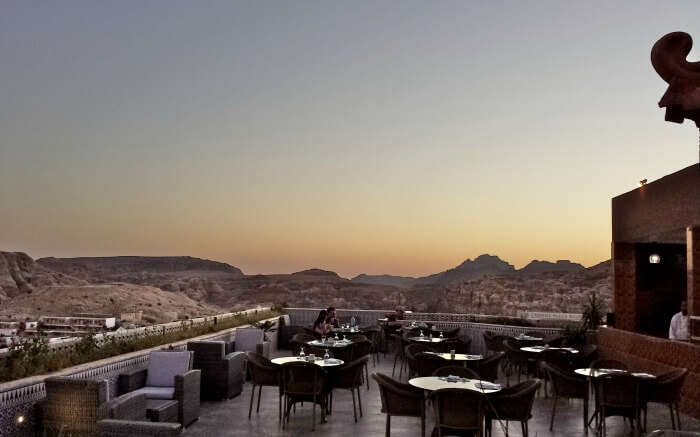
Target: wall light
[[654, 258], [642, 182], [20, 420]]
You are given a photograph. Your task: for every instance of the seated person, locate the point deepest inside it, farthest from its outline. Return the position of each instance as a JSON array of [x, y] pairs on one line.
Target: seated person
[[331, 319], [679, 324], [320, 326]]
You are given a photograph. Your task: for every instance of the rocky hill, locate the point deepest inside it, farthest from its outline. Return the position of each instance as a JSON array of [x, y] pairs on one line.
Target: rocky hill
[[396, 281], [562, 265], [29, 289]]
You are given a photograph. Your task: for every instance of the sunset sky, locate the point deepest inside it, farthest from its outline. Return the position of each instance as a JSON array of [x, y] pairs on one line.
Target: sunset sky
[[372, 137]]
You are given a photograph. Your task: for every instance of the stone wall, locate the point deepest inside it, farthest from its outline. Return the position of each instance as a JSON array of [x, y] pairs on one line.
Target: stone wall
[[655, 355]]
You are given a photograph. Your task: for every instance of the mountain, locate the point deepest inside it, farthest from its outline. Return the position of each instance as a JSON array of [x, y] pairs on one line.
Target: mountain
[[200, 279], [29, 289], [317, 273], [396, 281], [536, 267], [480, 266]]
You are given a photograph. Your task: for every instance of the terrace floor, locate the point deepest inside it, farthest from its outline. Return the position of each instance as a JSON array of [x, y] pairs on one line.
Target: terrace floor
[[230, 418]]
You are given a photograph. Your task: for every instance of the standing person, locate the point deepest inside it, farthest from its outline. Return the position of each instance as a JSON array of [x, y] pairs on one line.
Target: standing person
[[331, 319], [679, 324], [320, 325]]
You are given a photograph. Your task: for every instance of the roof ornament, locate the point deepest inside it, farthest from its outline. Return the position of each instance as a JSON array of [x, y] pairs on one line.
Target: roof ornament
[[669, 58]]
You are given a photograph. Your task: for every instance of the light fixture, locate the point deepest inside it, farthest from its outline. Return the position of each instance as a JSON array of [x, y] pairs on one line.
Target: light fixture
[[642, 182], [20, 420], [654, 258]]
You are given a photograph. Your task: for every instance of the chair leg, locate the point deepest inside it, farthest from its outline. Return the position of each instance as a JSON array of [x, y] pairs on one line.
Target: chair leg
[[422, 423], [252, 396], [313, 416], [354, 411], [554, 410], [678, 417], [523, 426], [279, 401], [259, 396], [585, 414], [359, 401], [367, 376], [393, 369], [387, 433]]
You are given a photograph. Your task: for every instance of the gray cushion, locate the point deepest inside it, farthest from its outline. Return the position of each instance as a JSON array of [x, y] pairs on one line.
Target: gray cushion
[[157, 392], [247, 339], [163, 366]]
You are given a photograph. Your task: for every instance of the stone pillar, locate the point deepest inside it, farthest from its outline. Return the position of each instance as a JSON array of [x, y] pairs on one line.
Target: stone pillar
[[624, 263], [693, 257]]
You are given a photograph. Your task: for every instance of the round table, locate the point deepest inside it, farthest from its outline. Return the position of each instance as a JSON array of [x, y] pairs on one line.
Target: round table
[[348, 330], [319, 361], [431, 383], [527, 338], [538, 349], [458, 357], [327, 344], [427, 339], [596, 373]]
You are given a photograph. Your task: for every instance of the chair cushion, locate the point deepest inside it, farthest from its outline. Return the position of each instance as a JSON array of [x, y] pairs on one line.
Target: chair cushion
[[157, 392], [163, 366], [247, 339]]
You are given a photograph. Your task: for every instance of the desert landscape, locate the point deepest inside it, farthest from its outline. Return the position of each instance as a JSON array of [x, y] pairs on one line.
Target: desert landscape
[[169, 288]]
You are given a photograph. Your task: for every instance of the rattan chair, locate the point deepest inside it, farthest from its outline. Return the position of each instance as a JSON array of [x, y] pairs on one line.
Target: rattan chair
[[619, 395], [168, 376], [349, 377], [566, 385], [400, 344], [373, 335], [494, 342], [312, 333], [459, 346], [263, 373], [362, 349], [460, 371], [488, 367], [513, 403], [518, 361], [304, 382], [427, 363], [609, 364], [222, 374], [457, 412], [299, 340], [400, 399], [586, 355], [665, 389], [128, 419]]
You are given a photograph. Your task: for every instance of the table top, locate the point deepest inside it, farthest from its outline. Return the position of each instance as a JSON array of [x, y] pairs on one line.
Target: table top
[[527, 338], [330, 343], [436, 382], [427, 339], [538, 349], [333, 362], [602, 372], [458, 357], [348, 330]]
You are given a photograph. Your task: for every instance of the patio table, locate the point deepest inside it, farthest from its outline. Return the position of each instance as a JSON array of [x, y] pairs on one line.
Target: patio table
[[427, 339], [431, 383], [457, 357], [538, 349], [331, 362], [329, 343]]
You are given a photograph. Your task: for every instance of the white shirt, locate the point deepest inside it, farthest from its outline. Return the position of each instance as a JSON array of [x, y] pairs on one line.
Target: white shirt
[[679, 327]]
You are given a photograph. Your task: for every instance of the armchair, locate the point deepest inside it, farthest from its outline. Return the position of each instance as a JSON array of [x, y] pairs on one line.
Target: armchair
[[128, 419], [250, 340], [222, 374], [168, 376]]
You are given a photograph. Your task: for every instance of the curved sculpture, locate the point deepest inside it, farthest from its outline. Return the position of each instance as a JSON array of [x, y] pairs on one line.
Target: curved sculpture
[[682, 98]]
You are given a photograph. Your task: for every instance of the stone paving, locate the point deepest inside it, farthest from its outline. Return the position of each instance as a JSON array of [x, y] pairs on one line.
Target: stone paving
[[230, 418]]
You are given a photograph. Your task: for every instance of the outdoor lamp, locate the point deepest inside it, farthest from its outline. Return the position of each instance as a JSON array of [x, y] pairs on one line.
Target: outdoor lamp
[[654, 258]]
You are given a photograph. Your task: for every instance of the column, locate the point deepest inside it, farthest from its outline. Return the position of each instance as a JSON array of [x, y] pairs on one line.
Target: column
[[625, 285], [693, 259]]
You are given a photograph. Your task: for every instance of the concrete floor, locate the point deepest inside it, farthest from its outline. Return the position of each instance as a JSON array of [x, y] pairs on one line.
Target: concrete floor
[[230, 418]]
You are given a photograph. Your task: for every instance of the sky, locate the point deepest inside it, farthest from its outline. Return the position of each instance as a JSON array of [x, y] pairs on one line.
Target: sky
[[397, 137]]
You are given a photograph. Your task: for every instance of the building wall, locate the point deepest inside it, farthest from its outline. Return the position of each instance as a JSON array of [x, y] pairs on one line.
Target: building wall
[[655, 355], [659, 211]]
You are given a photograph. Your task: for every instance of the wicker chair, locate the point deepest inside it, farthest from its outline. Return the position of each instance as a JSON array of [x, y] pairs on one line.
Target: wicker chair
[[168, 376], [488, 367], [312, 333], [427, 364], [462, 372], [249, 339], [459, 346], [400, 400], [362, 349], [619, 395], [566, 385], [373, 335], [494, 342], [263, 373], [76, 407], [665, 389], [127, 419], [349, 377], [457, 412], [304, 382], [513, 403], [299, 340], [518, 361], [609, 364], [222, 374], [400, 344], [586, 355]]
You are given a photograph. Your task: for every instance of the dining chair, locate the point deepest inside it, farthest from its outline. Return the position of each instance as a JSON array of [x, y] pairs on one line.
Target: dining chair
[[567, 385], [400, 399], [664, 389], [457, 412], [460, 371], [488, 367], [349, 377], [304, 382], [618, 395], [263, 373], [427, 363], [513, 403]]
